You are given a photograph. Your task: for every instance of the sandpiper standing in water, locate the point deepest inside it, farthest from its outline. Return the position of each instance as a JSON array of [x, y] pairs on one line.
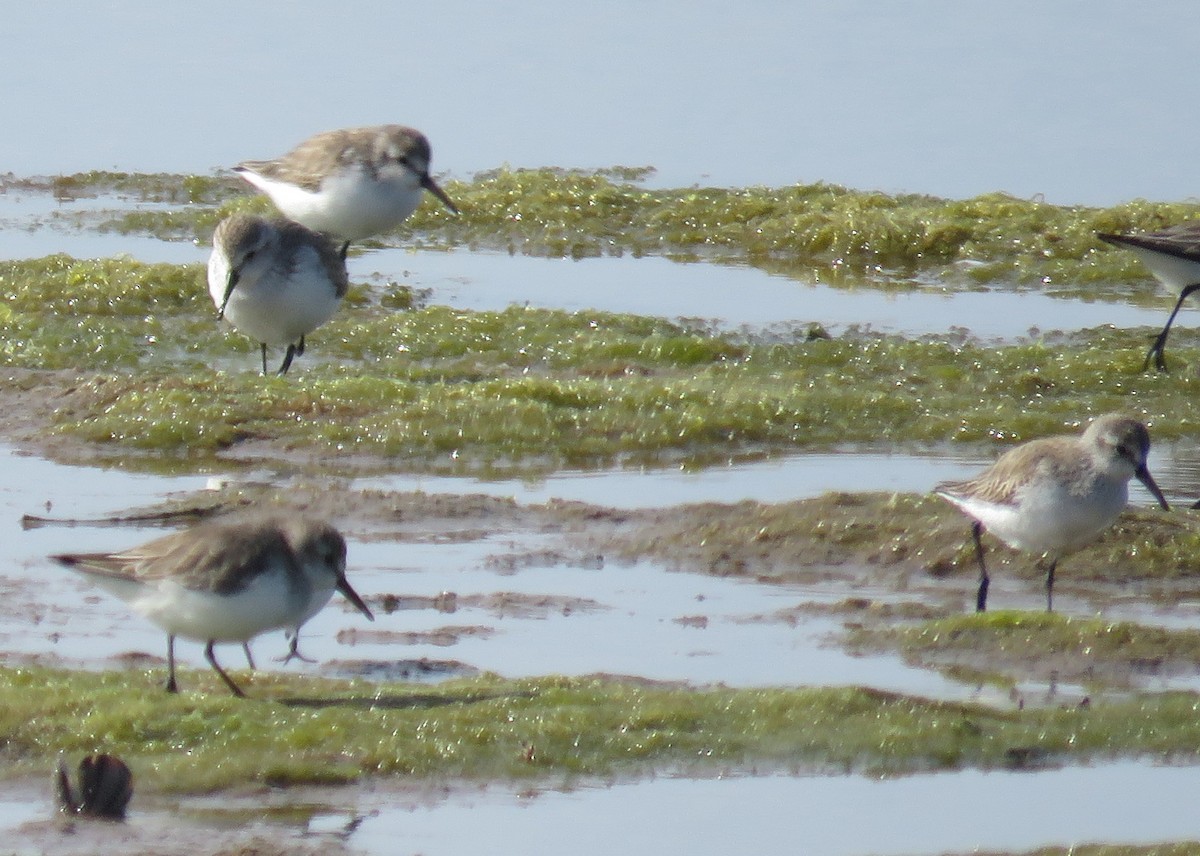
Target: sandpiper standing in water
[[1055, 495], [1173, 256], [226, 581]]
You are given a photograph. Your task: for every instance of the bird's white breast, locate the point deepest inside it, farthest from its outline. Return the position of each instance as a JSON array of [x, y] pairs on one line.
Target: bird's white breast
[[277, 301], [267, 603], [351, 203]]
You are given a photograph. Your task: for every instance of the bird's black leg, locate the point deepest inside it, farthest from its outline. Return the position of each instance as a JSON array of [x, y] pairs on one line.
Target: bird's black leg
[[294, 651], [212, 661], [172, 687], [1050, 585], [287, 360], [984, 582], [264, 357], [249, 656], [1160, 344]]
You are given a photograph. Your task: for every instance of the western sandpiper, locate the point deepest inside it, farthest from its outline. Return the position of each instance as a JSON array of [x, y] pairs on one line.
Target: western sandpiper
[[351, 183], [1173, 256], [1054, 495], [275, 281], [226, 581]]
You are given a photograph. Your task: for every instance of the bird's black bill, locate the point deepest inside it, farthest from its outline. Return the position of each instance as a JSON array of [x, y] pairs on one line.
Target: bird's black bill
[[432, 186], [1143, 475], [351, 595], [233, 281]]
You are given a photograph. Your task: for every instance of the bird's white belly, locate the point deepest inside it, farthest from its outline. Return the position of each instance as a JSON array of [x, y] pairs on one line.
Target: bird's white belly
[[349, 204], [282, 319], [317, 600], [276, 306], [1052, 520], [1172, 271], [266, 604]]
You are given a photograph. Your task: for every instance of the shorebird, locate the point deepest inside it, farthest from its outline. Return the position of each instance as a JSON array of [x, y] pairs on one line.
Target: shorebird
[[275, 281], [1055, 495], [1173, 256], [226, 581]]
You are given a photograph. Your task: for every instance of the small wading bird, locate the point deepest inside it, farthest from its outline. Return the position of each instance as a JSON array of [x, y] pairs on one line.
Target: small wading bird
[[274, 281], [226, 581], [351, 183], [1173, 256], [1055, 495]]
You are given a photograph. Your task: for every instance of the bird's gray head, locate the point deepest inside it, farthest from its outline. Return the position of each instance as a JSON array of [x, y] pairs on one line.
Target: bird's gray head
[[406, 146], [243, 240], [316, 541], [1123, 443], [410, 149], [321, 548], [1120, 436]]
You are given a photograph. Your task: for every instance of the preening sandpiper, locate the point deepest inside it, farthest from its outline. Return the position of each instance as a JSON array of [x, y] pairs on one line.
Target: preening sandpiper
[[350, 183], [1055, 495], [226, 581], [275, 281]]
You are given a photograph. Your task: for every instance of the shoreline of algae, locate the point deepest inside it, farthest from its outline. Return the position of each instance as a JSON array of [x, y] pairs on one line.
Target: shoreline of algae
[[562, 728], [529, 390], [818, 231]]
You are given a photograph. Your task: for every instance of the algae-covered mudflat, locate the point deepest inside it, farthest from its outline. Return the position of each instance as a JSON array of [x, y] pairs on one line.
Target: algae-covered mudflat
[[303, 732], [123, 362], [430, 387]]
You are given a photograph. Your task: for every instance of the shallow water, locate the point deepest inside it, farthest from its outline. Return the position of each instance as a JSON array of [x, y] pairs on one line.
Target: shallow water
[[727, 295], [1131, 802], [512, 620], [522, 607], [792, 477], [551, 618], [738, 296]]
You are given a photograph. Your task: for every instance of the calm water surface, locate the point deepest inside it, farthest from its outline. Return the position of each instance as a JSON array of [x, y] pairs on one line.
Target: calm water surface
[[1084, 102], [1129, 802]]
